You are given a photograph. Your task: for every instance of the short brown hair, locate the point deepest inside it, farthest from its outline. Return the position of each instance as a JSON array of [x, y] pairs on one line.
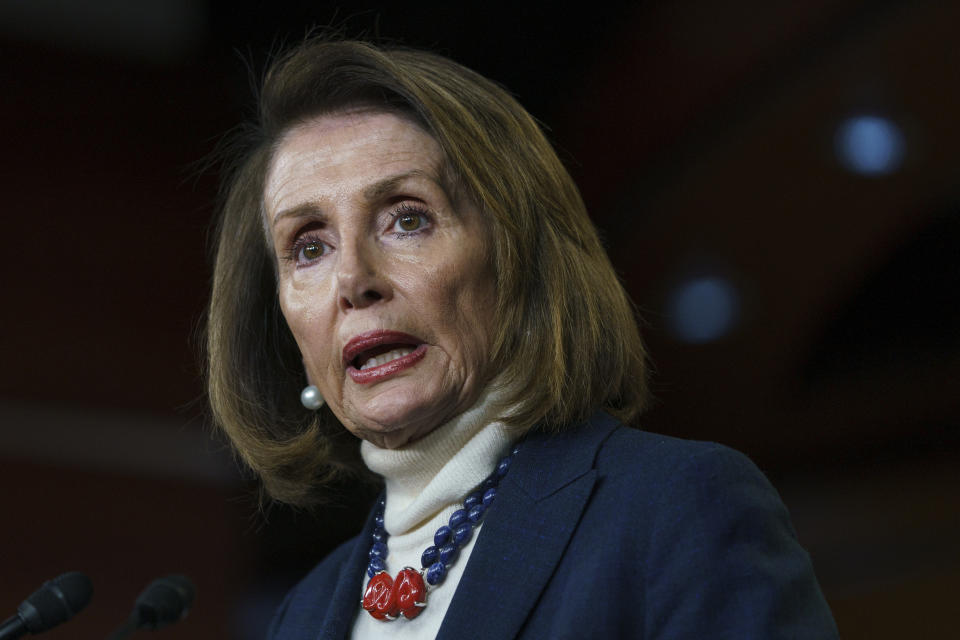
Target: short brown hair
[[567, 341]]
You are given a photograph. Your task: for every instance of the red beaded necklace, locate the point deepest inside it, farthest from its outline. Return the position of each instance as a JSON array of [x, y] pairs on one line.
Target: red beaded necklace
[[386, 598]]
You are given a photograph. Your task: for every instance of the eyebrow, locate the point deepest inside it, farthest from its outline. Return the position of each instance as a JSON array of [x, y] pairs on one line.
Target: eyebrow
[[379, 189], [305, 210], [371, 193]]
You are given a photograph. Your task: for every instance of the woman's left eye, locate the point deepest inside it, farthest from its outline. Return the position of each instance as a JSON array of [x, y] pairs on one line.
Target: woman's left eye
[[408, 221]]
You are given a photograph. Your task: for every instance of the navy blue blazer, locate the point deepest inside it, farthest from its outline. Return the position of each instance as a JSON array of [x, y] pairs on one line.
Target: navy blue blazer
[[607, 532]]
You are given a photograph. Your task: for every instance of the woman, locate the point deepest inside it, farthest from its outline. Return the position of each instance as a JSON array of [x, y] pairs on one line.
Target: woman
[[400, 241]]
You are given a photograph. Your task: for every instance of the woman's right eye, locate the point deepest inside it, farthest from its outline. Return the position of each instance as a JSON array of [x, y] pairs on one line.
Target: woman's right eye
[[312, 250], [307, 250]]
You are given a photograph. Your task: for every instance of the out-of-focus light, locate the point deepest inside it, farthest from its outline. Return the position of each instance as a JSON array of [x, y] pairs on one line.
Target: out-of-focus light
[[703, 309], [870, 145]]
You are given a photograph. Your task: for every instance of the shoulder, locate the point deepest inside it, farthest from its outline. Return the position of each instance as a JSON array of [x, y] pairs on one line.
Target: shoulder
[[637, 468], [713, 538], [674, 465], [306, 605], [627, 446], [640, 463], [689, 492]]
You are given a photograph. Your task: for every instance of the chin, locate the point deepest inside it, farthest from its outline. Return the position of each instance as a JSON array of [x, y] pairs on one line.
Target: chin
[[391, 436], [395, 419]]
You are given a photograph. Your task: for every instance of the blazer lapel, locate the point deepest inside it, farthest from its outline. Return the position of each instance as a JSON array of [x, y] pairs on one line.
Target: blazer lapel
[[526, 532], [345, 602]]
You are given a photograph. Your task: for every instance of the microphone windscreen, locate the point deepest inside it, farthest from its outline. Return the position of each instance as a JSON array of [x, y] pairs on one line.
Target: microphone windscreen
[[165, 601], [56, 601]]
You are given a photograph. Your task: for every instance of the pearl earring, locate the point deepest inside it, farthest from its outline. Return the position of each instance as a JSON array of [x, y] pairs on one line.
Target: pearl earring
[[310, 398]]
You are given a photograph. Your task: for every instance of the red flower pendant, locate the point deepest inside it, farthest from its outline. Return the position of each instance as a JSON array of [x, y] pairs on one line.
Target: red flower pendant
[[388, 599]]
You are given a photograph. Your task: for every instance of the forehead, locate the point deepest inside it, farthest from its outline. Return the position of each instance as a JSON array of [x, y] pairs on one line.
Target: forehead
[[340, 152]]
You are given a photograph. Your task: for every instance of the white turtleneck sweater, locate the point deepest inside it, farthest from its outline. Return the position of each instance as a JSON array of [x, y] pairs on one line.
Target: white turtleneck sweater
[[426, 482]]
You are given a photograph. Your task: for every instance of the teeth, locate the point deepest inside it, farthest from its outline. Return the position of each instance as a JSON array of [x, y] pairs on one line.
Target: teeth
[[384, 358]]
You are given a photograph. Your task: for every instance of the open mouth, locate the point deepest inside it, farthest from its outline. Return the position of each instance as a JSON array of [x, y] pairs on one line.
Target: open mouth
[[380, 356], [374, 355]]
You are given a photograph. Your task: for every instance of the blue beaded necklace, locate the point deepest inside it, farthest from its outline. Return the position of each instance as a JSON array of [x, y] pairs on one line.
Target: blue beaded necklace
[[386, 598]]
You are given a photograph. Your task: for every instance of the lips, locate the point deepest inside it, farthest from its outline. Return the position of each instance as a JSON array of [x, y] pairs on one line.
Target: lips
[[375, 355]]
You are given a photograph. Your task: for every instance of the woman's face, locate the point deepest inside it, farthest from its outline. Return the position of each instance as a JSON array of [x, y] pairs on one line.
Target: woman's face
[[384, 278]]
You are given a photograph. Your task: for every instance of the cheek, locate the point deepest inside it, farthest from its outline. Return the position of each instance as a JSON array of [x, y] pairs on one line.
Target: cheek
[[307, 322], [295, 312], [479, 317], [471, 301]]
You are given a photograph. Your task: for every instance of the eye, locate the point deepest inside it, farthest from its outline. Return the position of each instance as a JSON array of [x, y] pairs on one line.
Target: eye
[[409, 221], [312, 250], [307, 250]]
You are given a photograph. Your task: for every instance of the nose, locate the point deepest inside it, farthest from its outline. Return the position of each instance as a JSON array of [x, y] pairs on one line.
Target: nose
[[360, 279]]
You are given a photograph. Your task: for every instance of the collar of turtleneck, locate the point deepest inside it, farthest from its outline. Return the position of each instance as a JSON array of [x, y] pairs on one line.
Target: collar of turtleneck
[[438, 470]]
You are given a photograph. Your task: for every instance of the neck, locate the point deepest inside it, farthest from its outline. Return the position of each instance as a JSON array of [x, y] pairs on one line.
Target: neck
[[438, 470]]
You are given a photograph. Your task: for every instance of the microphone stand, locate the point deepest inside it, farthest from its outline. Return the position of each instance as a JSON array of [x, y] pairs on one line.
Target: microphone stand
[[126, 629], [12, 627]]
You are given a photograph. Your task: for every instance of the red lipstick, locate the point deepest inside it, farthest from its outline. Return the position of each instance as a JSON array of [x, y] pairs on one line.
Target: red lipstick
[[367, 345]]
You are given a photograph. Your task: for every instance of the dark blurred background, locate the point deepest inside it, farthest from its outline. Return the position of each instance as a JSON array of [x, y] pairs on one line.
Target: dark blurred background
[[777, 182]]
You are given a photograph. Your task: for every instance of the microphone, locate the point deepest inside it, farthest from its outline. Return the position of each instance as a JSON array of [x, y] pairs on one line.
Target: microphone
[[54, 603], [163, 602]]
